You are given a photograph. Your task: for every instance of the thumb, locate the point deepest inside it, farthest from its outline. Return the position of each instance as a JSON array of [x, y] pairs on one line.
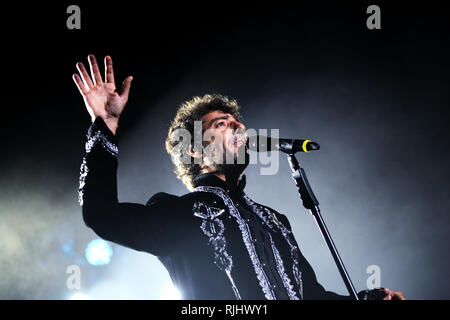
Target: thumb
[[125, 88]]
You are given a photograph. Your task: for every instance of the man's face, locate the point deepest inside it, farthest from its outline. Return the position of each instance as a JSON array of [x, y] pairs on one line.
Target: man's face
[[228, 135]]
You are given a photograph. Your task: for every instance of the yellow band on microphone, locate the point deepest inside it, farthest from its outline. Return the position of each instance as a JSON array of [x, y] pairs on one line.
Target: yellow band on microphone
[[304, 145]]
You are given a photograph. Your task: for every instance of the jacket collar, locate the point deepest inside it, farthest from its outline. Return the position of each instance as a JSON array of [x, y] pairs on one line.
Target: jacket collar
[[211, 180]]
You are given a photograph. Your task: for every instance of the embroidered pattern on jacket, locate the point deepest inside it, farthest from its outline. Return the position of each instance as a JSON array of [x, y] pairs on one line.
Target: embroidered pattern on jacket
[[106, 144], [214, 228], [83, 174], [280, 267], [270, 219], [245, 231], [92, 140]]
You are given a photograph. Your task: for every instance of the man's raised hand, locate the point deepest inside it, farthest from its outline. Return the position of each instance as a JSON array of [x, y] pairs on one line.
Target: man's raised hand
[[101, 98]]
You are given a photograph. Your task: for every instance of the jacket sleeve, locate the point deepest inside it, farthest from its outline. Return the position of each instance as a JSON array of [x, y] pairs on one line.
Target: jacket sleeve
[[312, 289], [137, 226]]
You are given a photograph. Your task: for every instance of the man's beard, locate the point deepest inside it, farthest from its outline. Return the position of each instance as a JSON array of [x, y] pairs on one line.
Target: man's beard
[[238, 165]]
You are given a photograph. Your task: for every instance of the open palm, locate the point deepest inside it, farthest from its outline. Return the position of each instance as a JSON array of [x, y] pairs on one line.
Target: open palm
[[101, 98]]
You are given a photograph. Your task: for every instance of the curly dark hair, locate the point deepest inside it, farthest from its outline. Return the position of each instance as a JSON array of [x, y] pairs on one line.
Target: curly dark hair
[[188, 112]]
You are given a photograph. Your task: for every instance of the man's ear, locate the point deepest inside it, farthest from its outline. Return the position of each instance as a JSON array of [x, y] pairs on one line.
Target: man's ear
[[194, 153]]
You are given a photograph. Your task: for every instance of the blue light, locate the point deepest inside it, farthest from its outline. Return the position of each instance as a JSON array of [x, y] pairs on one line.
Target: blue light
[[98, 252], [67, 247]]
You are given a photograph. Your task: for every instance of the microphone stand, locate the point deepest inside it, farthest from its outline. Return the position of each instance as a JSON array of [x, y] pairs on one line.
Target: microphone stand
[[310, 202]]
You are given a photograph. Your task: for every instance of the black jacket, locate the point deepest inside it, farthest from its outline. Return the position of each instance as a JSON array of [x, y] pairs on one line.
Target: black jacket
[[215, 242]]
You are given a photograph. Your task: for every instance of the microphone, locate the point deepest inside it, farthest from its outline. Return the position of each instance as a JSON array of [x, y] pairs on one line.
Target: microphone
[[262, 144]]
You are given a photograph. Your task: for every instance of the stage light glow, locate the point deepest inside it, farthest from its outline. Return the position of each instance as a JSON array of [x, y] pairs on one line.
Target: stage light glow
[[67, 247], [170, 292], [79, 296], [98, 252]]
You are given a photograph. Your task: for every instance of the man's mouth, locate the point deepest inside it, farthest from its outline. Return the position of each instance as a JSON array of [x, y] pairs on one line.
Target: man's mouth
[[239, 141]]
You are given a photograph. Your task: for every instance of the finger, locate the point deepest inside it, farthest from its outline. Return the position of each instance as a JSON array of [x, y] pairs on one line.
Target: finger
[[80, 85], [109, 71], [95, 71], [84, 75], [125, 89]]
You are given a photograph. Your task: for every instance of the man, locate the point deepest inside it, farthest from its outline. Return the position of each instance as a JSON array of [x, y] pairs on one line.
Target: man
[[215, 242]]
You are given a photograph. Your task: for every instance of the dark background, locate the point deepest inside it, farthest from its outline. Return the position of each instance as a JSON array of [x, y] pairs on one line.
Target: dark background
[[376, 100]]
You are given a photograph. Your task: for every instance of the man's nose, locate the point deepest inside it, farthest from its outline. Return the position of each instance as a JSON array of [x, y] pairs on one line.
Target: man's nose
[[238, 126]]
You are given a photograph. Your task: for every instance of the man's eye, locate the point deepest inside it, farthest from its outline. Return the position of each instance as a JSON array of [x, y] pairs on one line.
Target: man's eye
[[222, 123]]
